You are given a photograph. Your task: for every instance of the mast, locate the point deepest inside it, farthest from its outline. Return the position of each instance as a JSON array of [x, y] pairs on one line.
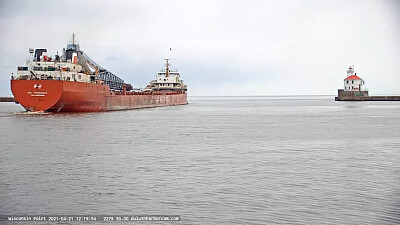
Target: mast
[[167, 69], [73, 38]]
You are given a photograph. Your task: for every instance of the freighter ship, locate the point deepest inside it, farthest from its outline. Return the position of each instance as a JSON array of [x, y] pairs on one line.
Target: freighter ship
[[73, 82]]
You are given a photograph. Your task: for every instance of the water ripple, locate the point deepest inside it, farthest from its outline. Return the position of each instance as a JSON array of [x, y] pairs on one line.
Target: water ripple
[[218, 160]]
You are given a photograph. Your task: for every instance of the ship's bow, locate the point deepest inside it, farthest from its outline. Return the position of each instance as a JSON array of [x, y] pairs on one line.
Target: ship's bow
[[37, 95]]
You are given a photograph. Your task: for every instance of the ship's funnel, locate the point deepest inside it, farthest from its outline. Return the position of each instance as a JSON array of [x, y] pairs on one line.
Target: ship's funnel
[[39, 53]]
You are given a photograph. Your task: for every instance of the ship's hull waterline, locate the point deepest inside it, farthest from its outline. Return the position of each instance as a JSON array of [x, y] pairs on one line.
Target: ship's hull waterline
[[70, 96]]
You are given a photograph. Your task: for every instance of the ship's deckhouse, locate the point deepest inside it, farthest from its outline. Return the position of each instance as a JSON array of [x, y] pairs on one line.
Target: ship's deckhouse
[[168, 79], [72, 65]]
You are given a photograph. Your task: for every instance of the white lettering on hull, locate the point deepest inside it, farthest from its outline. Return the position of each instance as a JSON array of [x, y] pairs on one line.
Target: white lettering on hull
[[37, 93]]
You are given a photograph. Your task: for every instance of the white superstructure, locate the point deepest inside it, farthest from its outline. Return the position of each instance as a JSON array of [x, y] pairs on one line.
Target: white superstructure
[[72, 65], [42, 67], [167, 79]]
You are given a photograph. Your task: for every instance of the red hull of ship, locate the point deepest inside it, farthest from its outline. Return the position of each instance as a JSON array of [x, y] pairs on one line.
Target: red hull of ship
[[69, 96]]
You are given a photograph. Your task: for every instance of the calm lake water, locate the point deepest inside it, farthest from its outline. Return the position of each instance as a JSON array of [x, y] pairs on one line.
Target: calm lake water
[[218, 160]]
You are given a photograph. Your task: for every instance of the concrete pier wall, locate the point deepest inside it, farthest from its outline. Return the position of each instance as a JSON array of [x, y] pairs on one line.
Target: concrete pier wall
[[7, 99], [362, 96]]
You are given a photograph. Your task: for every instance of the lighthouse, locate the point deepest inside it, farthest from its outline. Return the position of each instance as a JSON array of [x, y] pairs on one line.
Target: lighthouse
[[352, 81], [354, 90], [353, 87]]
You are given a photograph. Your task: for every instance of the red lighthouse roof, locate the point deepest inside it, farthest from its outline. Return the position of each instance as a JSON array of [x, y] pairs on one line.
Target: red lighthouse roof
[[353, 77]]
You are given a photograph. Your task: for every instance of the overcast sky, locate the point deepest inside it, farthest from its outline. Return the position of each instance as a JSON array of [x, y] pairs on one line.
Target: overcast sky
[[220, 47]]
